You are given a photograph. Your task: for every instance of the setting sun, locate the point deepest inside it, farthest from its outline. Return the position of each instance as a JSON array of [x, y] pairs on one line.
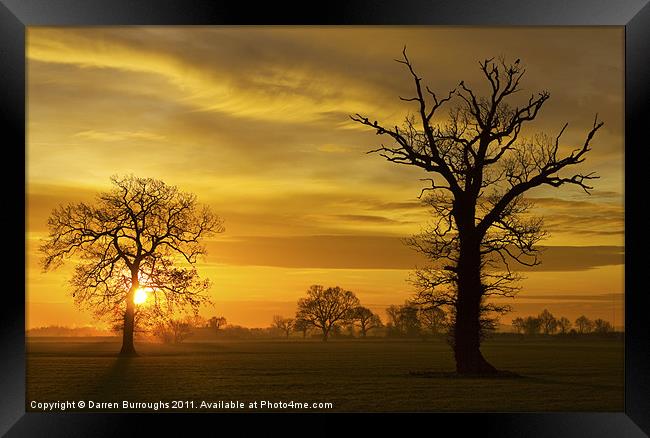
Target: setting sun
[[140, 296]]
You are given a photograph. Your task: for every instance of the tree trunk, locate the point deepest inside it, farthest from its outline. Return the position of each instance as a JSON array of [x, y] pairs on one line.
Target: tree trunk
[[326, 333], [128, 349], [469, 359]]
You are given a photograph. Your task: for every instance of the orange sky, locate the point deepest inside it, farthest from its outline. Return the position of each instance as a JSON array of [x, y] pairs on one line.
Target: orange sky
[[255, 122]]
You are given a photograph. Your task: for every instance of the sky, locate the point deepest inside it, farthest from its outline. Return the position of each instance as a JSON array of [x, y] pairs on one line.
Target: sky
[[255, 122]]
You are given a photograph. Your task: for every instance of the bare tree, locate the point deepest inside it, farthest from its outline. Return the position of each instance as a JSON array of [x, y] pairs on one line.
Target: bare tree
[[129, 242], [433, 318], [365, 319], [548, 322], [564, 325], [302, 326], [172, 331], [285, 325], [324, 308], [602, 326], [518, 324], [217, 322], [584, 324], [403, 320], [483, 167], [532, 325]]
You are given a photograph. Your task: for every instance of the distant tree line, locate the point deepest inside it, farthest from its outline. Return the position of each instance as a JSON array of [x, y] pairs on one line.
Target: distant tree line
[[546, 323], [335, 312], [327, 312]]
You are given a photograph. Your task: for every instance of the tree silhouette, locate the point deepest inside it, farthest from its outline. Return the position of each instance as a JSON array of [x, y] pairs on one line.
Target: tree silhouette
[[285, 325], [548, 322], [432, 318], [483, 167], [324, 308], [564, 325], [365, 319], [602, 326], [532, 325], [584, 324], [172, 331], [131, 239], [403, 320], [217, 322], [519, 325], [302, 326]]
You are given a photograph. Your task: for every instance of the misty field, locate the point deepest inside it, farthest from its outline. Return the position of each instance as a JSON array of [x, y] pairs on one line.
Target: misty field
[[557, 374]]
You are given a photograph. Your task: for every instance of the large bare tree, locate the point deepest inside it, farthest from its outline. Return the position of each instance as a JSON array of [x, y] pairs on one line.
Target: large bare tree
[[483, 165], [142, 236]]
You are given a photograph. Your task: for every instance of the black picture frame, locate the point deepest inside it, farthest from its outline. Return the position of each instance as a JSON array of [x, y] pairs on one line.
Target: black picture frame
[[15, 15]]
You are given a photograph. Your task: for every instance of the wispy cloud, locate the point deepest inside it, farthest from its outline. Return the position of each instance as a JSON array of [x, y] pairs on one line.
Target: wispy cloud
[[116, 136]]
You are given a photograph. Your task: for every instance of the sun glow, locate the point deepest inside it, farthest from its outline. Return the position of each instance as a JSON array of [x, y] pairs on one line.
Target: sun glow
[[140, 296]]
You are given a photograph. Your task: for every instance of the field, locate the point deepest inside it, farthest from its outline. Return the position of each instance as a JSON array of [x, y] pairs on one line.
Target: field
[[354, 375]]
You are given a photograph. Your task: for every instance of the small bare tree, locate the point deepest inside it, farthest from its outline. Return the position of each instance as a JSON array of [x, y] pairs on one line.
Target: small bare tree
[[173, 331], [563, 325], [217, 322], [403, 320], [548, 321], [532, 325], [433, 318], [584, 324], [285, 325], [324, 308], [602, 326], [483, 167], [128, 243], [518, 325], [365, 319], [302, 326]]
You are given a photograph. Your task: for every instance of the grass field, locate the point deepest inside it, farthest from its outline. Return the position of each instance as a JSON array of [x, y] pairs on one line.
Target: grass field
[[355, 375]]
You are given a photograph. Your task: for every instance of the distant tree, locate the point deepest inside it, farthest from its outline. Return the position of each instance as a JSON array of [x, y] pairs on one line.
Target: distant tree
[[564, 325], [217, 322], [410, 320], [349, 329], [129, 242], [548, 322], [602, 326], [302, 326], [239, 332], [433, 319], [532, 325], [403, 320], [172, 330], [285, 325], [393, 323], [365, 319], [323, 308], [584, 324], [519, 325], [488, 312]]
